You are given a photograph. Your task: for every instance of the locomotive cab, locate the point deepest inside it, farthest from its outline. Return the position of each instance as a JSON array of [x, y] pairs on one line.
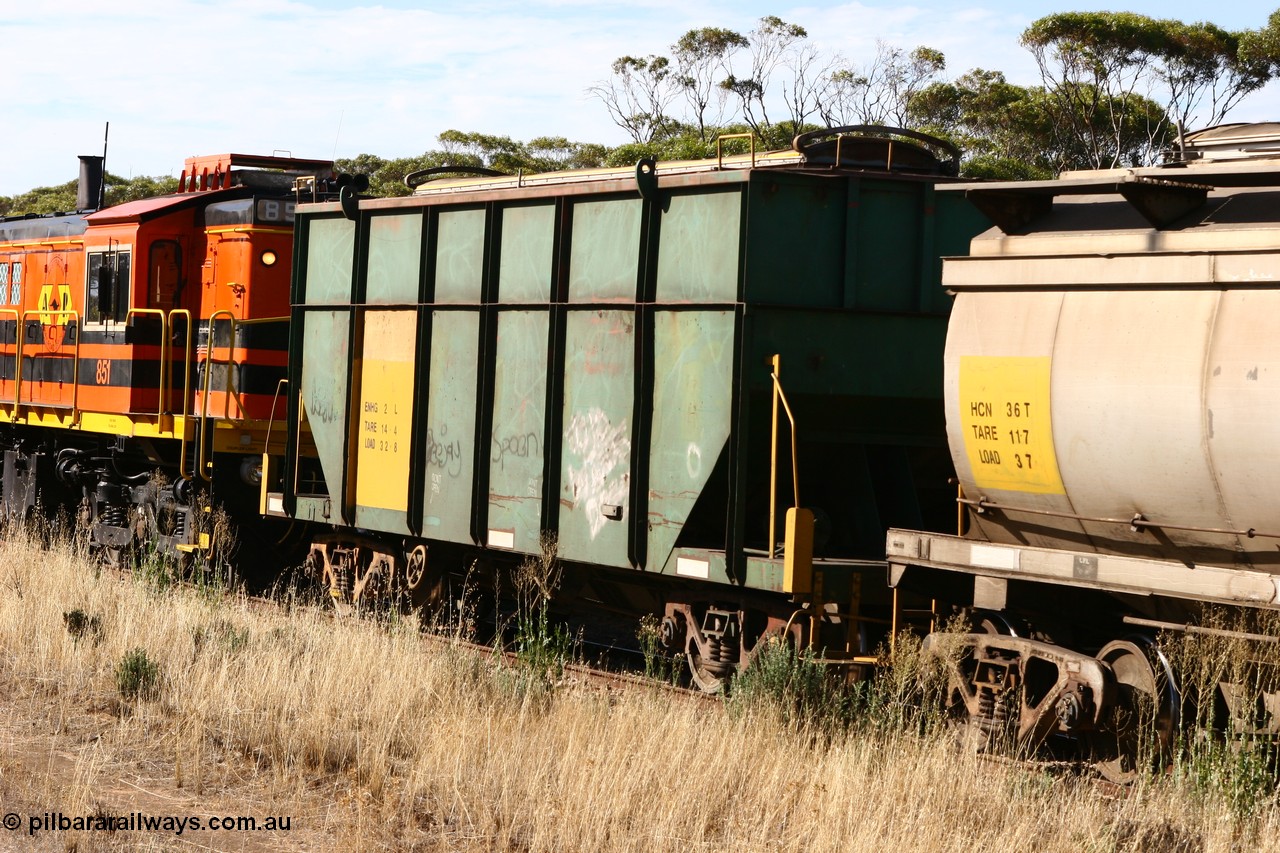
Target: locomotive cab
[[140, 348]]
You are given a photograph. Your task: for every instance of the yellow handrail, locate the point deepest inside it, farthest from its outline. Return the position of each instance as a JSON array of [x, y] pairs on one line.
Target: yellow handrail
[[227, 389], [75, 370], [164, 352], [186, 353], [17, 342], [720, 154], [186, 391], [271, 420], [778, 394]]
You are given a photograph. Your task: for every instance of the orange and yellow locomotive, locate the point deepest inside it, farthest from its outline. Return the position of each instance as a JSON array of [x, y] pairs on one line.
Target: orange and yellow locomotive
[[141, 349]]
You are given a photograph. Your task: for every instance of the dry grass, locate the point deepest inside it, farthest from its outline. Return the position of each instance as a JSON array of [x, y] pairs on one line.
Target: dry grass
[[370, 737]]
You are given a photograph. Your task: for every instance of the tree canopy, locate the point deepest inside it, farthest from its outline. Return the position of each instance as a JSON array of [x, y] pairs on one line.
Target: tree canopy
[[1116, 88], [1113, 78]]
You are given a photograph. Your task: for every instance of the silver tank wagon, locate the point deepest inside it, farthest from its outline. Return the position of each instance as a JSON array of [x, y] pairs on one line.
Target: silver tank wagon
[[1112, 391]]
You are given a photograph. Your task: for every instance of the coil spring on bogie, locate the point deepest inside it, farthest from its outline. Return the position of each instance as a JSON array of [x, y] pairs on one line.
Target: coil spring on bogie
[[721, 652], [993, 712], [114, 515], [343, 581]]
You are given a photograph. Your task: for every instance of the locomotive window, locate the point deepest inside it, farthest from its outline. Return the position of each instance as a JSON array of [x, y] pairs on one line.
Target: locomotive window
[[4, 283], [238, 212], [164, 273], [15, 280], [107, 293]]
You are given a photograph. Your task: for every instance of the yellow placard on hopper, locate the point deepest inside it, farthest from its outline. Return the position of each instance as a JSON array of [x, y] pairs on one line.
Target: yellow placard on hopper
[[1007, 424], [386, 410]]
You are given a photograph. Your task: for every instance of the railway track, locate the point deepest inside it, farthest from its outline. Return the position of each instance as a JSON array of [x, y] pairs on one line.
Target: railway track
[[620, 667]]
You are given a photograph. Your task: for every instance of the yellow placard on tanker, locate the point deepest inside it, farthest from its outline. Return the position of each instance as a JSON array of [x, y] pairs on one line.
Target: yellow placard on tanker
[[386, 410], [1007, 424]]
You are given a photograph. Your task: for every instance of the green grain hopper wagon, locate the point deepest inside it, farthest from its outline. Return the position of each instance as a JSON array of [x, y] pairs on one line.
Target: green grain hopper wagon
[[607, 359]]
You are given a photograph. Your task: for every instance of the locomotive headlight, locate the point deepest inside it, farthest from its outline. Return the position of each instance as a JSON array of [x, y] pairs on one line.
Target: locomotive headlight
[[268, 258]]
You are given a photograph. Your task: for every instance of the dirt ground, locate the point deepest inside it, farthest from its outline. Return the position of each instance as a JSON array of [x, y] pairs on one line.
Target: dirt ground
[[66, 759]]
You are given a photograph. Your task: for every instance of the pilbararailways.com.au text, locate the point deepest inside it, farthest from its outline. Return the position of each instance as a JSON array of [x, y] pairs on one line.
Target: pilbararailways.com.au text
[[143, 822]]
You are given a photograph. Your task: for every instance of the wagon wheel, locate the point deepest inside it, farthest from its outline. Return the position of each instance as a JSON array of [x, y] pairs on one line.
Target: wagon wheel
[[711, 678], [1140, 727], [710, 674], [415, 567], [424, 581], [992, 622]]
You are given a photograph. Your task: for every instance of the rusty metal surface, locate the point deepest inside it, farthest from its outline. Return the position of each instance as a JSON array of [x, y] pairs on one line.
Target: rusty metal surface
[[1012, 693]]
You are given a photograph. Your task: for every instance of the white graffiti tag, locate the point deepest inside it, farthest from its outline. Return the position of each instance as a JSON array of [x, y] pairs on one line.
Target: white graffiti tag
[[603, 478]]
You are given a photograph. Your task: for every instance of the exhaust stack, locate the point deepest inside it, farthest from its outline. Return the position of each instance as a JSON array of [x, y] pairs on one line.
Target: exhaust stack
[[89, 190]]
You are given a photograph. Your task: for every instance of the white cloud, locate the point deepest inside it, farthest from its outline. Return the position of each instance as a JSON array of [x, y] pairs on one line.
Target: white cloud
[[326, 77]]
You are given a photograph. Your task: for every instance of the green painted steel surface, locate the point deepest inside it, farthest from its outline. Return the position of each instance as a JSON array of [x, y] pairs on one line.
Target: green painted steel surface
[[698, 248], [692, 417], [605, 250], [460, 256], [324, 389], [595, 463], [795, 242], [638, 430], [395, 259], [451, 438], [518, 442], [524, 268], [330, 253]]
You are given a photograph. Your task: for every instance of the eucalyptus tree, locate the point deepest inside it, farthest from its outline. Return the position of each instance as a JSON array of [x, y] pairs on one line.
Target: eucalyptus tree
[[880, 91], [772, 43], [1102, 70], [703, 61], [1003, 129], [638, 95]]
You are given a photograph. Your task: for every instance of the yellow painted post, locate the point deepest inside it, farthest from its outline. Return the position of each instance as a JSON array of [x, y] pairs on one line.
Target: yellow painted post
[[797, 561]]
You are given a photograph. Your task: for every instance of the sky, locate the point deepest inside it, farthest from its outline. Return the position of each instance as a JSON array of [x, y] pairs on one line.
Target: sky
[[338, 78]]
